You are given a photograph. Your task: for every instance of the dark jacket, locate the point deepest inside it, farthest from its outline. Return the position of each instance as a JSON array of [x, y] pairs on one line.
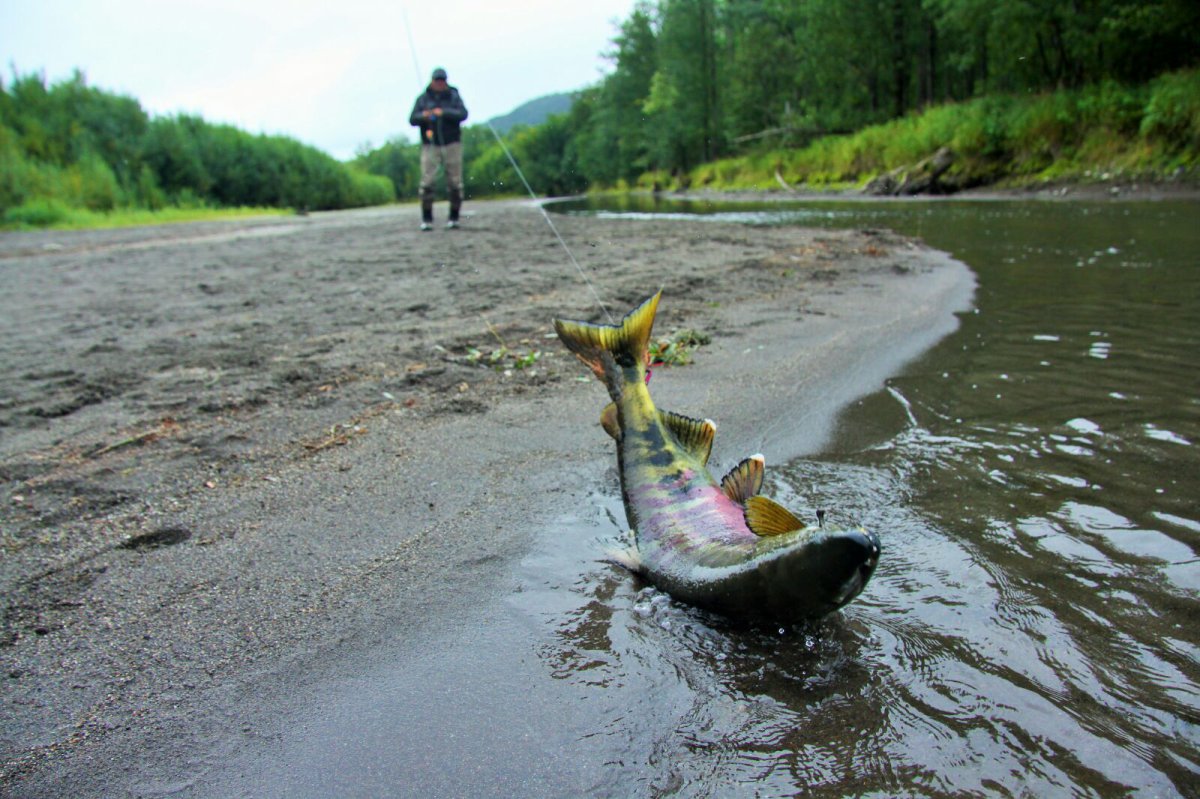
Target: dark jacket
[[445, 128]]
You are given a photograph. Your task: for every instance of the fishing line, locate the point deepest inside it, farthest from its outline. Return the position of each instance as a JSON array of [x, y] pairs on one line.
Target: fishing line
[[553, 227]]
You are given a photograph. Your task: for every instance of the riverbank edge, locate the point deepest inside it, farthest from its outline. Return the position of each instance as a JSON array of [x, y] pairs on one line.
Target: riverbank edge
[[1064, 190]]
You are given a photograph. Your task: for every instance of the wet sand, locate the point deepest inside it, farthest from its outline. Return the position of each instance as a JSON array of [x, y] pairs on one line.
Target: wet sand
[[235, 453]]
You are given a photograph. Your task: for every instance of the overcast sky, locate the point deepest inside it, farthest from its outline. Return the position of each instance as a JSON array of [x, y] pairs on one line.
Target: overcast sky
[[333, 74]]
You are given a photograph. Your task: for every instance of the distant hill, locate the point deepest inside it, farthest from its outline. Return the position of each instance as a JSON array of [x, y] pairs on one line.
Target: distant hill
[[533, 112]]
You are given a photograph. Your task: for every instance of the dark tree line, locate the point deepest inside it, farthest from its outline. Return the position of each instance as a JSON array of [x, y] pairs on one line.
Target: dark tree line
[[697, 79]]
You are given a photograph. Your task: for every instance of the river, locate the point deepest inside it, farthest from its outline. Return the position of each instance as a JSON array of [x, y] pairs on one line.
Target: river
[[1033, 626]]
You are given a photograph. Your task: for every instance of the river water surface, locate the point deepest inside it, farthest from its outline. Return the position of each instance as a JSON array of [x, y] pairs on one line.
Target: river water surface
[[1032, 628]]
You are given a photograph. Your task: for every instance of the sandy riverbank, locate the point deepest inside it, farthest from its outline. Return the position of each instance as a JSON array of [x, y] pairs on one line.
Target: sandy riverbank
[[230, 450]]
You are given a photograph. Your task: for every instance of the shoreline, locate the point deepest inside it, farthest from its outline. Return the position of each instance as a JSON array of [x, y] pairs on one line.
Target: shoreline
[[1114, 190], [247, 454]]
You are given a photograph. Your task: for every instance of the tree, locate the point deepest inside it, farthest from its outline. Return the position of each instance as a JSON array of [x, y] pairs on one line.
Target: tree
[[684, 101], [612, 140]]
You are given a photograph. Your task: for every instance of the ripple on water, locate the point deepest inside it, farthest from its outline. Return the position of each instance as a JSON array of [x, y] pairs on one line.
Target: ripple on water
[[1158, 434], [962, 667], [1122, 536]]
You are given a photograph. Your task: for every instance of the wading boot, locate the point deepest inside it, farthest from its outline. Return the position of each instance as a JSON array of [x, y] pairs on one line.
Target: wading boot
[[426, 209], [455, 204]]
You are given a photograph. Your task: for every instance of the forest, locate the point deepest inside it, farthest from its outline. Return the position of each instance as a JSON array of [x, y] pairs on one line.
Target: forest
[[695, 80], [699, 92]]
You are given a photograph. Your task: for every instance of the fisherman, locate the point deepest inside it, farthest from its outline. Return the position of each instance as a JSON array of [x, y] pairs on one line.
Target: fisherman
[[438, 112]]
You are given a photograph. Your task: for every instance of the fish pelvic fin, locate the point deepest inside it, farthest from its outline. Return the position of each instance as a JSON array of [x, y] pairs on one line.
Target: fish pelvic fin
[[607, 348], [744, 480], [694, 435], [611, 421], [766, 517], [627, 558]]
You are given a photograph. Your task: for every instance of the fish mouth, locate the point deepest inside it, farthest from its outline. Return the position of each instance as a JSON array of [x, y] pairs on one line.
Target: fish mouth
[[807, 581], [868, 544]]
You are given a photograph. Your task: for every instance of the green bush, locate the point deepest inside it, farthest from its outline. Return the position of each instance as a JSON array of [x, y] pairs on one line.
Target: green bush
[[400, 162], [1042, 129], [1172, 114], [71, 146], [147, 193], [93, 184], [16, 173], [1113, 107], [41, 212], [370, 189]]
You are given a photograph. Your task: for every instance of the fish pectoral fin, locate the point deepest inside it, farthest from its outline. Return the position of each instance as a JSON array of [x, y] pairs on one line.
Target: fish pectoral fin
[[744, 480], [766, 517], [610, 421], [627, 558], [694, 435]]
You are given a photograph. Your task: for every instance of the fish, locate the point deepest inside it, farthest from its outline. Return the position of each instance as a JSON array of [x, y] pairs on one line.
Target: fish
[[715, 544]]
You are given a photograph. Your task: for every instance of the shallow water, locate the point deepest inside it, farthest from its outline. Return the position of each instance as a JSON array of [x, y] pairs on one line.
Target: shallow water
[[1032, 627]]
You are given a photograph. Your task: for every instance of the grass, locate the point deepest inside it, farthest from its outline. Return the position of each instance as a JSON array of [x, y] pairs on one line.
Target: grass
[[51, 214], [677, 349], [1103, 132], [502, 358]]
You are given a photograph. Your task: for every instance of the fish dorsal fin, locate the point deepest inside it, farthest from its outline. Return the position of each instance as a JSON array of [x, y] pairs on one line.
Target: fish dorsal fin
[[610, 421], [694, 435], [744, 480], [766, 517]]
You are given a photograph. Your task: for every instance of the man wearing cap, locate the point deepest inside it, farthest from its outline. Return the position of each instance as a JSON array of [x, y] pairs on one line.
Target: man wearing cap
[[438, 112]]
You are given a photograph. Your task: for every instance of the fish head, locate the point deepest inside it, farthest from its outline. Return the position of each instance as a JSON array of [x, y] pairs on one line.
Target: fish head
[[820, 573], [851, 557]]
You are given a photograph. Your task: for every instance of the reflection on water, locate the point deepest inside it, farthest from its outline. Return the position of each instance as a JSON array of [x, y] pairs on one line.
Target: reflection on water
[[1032, 627]]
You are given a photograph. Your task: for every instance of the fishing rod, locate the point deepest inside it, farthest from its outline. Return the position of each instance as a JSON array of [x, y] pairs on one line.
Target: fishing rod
[[412, 51], [412, 48]]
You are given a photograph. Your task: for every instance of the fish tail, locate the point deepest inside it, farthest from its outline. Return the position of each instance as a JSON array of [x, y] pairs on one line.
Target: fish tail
[[609, 349]]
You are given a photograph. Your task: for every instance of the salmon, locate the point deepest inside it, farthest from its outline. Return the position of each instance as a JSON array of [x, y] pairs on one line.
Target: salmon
[[718, 545]]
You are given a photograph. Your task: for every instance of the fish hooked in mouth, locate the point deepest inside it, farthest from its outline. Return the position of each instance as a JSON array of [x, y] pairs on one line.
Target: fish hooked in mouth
[[717, 544]]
